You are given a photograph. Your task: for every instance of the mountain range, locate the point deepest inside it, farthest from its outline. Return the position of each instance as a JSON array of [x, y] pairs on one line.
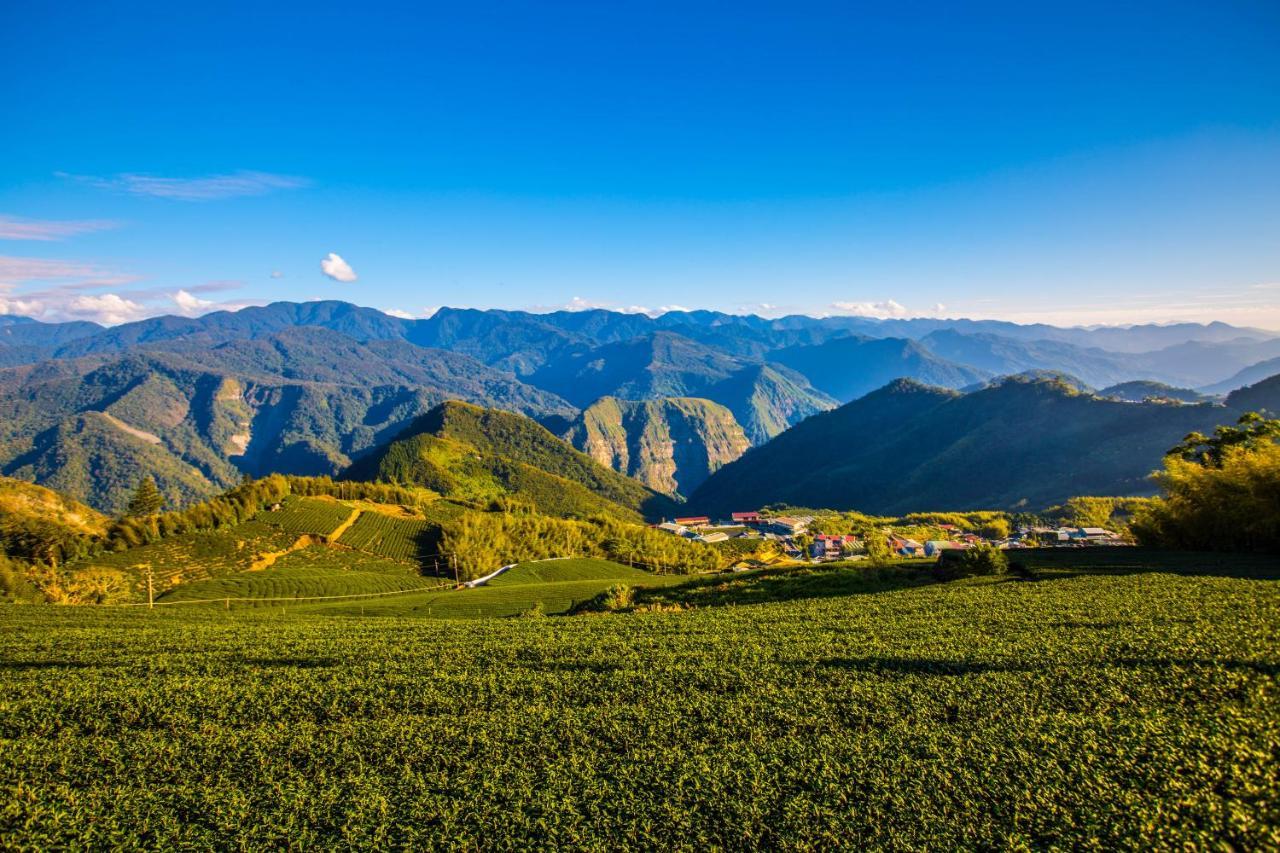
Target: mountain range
[[313, 387]]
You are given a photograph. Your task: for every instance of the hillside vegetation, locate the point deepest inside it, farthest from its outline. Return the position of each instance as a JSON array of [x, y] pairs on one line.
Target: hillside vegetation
[[470, 453]]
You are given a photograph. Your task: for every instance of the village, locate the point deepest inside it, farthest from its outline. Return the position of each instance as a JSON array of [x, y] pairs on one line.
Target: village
[[795, 538]]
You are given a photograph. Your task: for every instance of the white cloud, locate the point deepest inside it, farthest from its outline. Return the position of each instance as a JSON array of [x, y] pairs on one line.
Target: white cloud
[[190, 304], [205, 188], [17, 228], [277, 274], [396, 312], [878, 310], [938, 308], [107, 308], [21, 307], [337, 269], [665, 308]]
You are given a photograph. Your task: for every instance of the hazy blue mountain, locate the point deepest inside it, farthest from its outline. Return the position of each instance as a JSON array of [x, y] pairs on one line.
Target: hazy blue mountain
[[1137, 392], [847, 368]]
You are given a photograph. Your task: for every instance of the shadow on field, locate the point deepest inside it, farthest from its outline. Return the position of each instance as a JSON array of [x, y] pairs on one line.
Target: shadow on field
[[1059, 563], [791, 584]]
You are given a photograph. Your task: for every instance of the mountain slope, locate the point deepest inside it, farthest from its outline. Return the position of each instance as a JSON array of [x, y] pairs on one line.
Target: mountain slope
[[1004, 355], [767, 399], [1136, 392], [468, 452], [906, 447], [670, 445], [847, 368], [305, 401], [1262, 396]]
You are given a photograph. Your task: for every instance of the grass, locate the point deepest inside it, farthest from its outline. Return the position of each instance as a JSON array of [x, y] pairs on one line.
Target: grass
[[550, 586], [1116, 703]]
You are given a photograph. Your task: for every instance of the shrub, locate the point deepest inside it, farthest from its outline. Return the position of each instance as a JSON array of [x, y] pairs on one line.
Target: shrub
[[978, 560]]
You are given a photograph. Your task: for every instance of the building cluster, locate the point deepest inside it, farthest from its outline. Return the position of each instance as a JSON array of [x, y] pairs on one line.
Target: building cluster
[[791, 533]]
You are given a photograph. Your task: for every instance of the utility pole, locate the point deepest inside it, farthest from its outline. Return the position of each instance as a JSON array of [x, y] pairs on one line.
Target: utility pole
[[454, 560], [151, 590]]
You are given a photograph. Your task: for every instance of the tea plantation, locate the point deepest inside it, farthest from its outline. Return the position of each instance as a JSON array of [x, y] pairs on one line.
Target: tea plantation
[[1117, 704]]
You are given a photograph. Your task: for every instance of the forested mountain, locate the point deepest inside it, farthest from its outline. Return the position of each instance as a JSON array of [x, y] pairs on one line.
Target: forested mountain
[[1262, 396], [1016, 444], [308, 387], [470, 453], [671, 445], [1137, 392], [305, 401]]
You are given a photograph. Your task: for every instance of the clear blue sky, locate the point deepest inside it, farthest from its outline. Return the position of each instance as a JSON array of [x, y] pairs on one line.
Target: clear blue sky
[[1080, 163]]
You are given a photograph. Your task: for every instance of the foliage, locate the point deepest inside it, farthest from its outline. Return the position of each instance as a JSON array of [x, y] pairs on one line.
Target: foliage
[[1116, 711], [1230, 505], [967, 562], [403, 539], [146, 500], [1251, 431], [481, 542], [1089, 511]]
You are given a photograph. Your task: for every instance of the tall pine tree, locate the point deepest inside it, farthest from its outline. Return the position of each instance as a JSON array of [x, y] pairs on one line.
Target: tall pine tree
[[147, 500]]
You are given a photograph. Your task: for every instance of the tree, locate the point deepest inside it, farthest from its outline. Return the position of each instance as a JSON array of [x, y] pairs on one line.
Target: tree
[[1250, 432], [147, 500], [876, 543]]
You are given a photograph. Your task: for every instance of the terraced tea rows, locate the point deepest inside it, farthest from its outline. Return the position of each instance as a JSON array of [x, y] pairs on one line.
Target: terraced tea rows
[[1093, 709], [196, 556], [315, 571], [403, 539], [307, 515]]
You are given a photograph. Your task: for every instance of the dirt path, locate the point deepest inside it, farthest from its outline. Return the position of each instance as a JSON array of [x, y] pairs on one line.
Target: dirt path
[[344, 526], [263, 561]]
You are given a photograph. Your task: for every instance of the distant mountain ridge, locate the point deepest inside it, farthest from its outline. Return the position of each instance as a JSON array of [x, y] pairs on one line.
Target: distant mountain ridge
[[309, 387]]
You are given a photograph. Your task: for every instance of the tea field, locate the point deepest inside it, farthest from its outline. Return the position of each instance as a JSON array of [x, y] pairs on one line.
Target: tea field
[[1127, 703]]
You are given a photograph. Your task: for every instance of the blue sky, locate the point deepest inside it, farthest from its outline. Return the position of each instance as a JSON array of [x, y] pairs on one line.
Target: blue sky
[[1078, 163]]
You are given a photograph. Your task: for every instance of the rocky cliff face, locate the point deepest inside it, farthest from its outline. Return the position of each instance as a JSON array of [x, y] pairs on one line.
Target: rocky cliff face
[[671, 445]]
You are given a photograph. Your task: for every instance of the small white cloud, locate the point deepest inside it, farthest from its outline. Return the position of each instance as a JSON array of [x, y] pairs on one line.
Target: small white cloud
[[430, 311], [277, 274], [108, 308], [877, 310], [190, 304], [337, 269], [206, 188], [667, 308], [396, 312], [21, 307], [17, 228], [938, 308]]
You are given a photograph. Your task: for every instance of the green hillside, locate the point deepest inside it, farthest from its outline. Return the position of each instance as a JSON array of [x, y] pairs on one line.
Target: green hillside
[[1019, 444], [467, 452], [1104, 706], [767, 399], [670, 445]]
